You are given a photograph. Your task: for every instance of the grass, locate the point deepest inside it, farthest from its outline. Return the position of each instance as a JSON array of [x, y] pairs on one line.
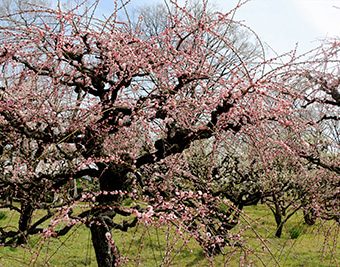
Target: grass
[[312, 246], [300, 245]]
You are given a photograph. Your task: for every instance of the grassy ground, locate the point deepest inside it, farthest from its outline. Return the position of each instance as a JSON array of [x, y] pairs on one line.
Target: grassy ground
[[148, 246]]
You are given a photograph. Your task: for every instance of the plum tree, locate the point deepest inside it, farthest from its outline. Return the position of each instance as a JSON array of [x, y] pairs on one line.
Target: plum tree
[[83, 98]]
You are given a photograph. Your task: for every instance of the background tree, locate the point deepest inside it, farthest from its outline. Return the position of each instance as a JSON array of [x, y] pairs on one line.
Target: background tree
[[286, 184], [318, 102]]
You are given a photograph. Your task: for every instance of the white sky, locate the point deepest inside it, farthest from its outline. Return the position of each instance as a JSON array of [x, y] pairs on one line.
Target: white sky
[[281, 23]]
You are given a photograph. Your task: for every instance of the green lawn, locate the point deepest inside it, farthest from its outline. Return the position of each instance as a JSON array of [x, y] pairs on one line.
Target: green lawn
[[148, 246]]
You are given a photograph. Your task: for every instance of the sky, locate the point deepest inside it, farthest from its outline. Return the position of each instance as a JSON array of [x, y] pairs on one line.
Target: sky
[[284, 23], [281, 24]]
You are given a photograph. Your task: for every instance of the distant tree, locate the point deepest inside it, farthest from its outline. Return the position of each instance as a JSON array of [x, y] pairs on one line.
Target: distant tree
[[213, 170], [287, 193], [318, 102]]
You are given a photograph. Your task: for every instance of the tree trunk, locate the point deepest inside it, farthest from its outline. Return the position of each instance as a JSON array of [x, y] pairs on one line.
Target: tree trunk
[[24, 222], [75, 189], [309, 216], [106, 253], [279, 229], [279, 213], [279, 224]]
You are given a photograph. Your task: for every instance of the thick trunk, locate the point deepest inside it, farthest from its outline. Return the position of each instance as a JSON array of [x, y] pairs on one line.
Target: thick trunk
[[112, 179], [24, 222], [106, 253]]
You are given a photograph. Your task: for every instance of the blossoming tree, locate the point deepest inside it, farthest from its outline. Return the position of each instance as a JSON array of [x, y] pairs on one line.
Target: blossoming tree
[[101, 100]]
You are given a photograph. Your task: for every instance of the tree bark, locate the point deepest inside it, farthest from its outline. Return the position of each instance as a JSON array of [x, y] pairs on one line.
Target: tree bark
[[278, 214], [279, 229], [111, 179], [106, 253], [24, 222]]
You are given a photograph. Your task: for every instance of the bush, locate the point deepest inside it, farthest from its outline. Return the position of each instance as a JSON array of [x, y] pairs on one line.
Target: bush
[[295, 232], [2, 215]]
